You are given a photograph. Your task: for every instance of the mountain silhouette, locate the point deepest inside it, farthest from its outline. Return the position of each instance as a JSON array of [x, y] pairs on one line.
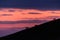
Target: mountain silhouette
[[49, 30]]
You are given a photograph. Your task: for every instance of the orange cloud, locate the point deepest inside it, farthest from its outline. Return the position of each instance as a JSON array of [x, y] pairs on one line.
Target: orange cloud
[[20, 14]]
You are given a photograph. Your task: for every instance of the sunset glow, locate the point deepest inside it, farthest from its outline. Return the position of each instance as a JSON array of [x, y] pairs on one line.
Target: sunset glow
[[13, 14], [17, 14], [25, 17]]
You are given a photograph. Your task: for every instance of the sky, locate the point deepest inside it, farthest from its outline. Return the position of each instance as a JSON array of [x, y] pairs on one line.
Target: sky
[[36, 4], [27, 10]]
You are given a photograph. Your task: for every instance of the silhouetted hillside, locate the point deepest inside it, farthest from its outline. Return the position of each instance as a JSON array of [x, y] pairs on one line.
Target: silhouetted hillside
[[49, 30]]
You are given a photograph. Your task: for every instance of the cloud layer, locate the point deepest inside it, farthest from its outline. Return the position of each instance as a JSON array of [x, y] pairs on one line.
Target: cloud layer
[[13, 14]]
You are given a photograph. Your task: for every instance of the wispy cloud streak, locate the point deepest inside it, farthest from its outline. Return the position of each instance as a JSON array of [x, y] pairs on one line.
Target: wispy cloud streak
[[22, 21]]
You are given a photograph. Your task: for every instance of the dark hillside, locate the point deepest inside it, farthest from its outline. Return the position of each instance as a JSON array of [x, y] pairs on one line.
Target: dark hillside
[[49, 30]]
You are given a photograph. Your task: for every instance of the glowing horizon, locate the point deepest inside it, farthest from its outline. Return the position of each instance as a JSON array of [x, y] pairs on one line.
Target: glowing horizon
[[13, 14]]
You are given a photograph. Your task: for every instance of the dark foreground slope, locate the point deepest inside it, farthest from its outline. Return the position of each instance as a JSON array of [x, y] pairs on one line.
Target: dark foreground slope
[[49, 30]]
